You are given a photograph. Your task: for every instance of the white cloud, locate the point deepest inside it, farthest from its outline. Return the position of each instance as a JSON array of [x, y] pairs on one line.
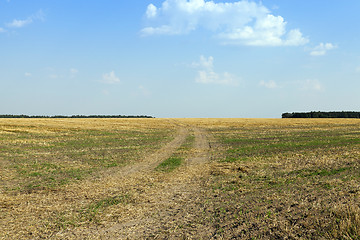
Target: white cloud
[[39, 15], [2, 30], [27, 74], [53, 76], [275, 7], [21, 23], [240, 22], [311, 85], [151, 11], [269, 84], [204, 62], [73, 72], [110, 78], [162, 30], [143, 91], [322, 49], [212, 77], [105, 92], [207, 75], [295, 38]]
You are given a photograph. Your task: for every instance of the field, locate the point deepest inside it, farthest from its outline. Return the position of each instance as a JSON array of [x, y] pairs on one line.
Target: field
[[179, 179]]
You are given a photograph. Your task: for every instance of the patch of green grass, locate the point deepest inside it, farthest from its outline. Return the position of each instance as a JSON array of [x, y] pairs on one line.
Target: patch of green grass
[[327, 186], [189, 142], [90, 212], [49, 176], [34, 174], [169, 164], [270, 148], [258, 144], [328, 172], [233, 159], [111, 164], [62, 221], [177, 158], [296, 173], [47, 160], [319, 172]]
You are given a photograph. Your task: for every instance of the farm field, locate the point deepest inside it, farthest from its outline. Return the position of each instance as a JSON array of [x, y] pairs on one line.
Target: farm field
[[179, 178]]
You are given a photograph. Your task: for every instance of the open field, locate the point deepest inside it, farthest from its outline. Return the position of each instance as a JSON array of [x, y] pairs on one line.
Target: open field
[[179, 178]]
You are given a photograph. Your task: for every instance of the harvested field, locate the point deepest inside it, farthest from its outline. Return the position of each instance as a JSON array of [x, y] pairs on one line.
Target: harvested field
[[179, 179]]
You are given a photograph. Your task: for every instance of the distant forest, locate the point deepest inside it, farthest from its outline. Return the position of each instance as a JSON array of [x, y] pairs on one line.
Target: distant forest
[[73, 116], [321, 115]]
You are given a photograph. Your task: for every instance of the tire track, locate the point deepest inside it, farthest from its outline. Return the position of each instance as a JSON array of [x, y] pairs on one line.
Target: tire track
[[202, 147], [173, 203], [151, 161], [163, 200]]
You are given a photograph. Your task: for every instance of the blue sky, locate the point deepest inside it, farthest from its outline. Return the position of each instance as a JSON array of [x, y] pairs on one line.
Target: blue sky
[[179, 58]]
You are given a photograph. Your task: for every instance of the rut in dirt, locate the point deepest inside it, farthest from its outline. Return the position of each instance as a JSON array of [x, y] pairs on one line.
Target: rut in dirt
[[173, 204], [164, 201], [151, 161], [202, 147]]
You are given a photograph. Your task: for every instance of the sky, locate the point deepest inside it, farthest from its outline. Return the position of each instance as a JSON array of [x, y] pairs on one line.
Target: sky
[[179, 58]]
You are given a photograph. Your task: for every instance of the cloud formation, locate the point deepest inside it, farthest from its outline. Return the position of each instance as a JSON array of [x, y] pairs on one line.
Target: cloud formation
[[22, 23], [110, 78], [207, 75], [151, 11], [143, 91], [322, 49], [242, 22], [269, 84], [311, 84], [73, 72], [19, 23], [53, 76]]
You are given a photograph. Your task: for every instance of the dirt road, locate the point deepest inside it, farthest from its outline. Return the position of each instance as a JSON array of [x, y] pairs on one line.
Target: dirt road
[[162, 205]]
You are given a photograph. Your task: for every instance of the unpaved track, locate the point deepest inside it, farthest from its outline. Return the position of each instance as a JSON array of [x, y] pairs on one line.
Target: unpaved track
[[163, 202], [151, 161], [173, 204], [202, 147]]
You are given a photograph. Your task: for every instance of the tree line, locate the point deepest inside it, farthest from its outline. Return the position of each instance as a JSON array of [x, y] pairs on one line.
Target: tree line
[[321, 115], [73, 116]]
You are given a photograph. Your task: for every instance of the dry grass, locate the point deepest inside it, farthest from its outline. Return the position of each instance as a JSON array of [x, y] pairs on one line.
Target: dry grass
[[296, 179], [263, 179], [53, 168]]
